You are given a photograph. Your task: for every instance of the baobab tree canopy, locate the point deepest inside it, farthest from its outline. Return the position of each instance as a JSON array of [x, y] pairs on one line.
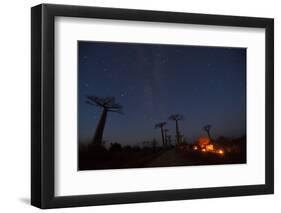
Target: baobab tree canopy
[[160, 125], [207, 127], [176, 117], [107, 103]]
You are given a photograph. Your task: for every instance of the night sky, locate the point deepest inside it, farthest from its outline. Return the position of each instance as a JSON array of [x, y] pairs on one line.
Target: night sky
[[207, 85]]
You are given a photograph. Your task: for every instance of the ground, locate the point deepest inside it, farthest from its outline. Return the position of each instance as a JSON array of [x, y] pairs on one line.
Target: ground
[[142, 158]]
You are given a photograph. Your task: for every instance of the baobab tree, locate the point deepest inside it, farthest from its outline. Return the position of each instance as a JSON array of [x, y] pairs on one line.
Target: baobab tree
[[165, 136], [177, 118], [169, 140], [107, 104], [161, 126], [207, 128]]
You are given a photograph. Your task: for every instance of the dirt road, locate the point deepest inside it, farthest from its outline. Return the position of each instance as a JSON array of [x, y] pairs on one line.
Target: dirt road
[[170, 158]]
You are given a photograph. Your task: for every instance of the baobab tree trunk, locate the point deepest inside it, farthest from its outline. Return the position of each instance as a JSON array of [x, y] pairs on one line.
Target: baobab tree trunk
[[163, 139], [209, 135], [177, 132], [97, 140]]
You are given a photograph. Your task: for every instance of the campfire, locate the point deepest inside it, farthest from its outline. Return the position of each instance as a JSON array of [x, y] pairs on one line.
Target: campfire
[[205, 145]]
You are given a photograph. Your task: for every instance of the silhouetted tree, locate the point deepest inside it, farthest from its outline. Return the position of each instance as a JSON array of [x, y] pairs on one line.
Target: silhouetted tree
[[107, 104], [136, 148], [183, 139], [169, 140], [207, 128], [165, 135], [177, 118], [161, 125], [115, 147], [127, 148]]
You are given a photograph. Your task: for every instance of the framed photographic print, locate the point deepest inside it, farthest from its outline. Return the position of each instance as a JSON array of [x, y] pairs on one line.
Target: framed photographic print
[[141, 106]]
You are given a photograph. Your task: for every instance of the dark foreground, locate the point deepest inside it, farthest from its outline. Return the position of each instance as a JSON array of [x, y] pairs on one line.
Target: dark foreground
[[101, 158]]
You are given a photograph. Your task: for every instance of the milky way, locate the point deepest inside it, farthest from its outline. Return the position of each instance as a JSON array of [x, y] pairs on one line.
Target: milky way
[[207, 85]]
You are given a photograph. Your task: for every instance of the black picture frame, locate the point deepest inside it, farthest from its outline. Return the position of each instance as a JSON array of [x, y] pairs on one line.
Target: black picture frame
[[43, 117]]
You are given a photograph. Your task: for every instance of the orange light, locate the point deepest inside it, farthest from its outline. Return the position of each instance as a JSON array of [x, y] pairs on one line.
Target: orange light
[[195, 148], [220, 151], [203, 141], [203, 150], [210, 147]]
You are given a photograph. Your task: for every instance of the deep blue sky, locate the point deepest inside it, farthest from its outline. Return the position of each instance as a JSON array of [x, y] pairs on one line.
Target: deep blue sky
[[207, 85]]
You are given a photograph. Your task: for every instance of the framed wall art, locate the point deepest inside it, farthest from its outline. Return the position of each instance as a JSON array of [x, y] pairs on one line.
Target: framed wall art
[[140, 106]]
